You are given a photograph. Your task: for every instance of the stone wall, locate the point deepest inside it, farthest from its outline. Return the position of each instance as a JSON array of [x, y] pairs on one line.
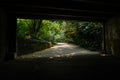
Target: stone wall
[[112, 36]]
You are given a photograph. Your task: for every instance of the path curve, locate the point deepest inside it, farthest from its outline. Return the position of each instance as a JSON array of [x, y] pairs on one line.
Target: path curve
[[60, 50]]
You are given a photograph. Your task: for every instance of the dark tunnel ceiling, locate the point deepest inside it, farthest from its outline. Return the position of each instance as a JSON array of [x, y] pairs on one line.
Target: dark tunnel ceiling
[[72, 9]]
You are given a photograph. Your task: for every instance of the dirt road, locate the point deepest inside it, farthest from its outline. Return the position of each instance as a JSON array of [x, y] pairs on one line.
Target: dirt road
[[60, 50]]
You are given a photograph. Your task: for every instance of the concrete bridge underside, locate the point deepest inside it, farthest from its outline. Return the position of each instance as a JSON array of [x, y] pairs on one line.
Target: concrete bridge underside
[[83, 10]]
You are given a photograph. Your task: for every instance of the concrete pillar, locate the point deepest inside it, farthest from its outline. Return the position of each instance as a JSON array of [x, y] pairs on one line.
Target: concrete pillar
[[7, 36], [11, 37], [3, 30]]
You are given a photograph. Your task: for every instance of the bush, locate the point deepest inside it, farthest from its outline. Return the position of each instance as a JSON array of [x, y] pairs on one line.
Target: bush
[[90, 36]]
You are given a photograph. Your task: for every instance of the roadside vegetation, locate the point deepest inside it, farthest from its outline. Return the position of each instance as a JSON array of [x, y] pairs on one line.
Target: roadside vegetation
[[37, 34]]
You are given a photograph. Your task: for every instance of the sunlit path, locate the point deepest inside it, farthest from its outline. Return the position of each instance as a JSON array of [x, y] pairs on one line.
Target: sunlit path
[[60, 50]]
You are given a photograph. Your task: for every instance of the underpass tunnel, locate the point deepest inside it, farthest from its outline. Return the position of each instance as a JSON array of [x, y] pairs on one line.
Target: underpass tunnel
[[100, 66]]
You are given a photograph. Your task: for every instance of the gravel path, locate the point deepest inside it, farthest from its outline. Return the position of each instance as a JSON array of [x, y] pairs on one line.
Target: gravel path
[[60, 50]]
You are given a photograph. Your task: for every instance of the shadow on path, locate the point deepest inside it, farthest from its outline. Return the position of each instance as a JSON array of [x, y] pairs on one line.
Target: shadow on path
[[60, 50]]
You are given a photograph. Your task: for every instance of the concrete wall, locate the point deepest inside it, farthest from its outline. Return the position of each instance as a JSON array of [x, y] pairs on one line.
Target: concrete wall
[[112, 33]]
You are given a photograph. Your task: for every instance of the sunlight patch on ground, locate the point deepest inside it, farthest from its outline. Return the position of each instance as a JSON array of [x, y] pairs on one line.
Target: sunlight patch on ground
[[60, 50]]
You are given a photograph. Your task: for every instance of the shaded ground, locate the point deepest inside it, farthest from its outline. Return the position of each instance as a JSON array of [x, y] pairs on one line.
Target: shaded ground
[[88, 67], [60, 50]]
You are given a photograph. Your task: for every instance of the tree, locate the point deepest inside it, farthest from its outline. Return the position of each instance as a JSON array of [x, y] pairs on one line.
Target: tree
[[85, 34], [34, 27], [22, 27]]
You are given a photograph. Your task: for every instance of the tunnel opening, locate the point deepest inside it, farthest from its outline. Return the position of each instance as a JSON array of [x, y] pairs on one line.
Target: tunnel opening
[[86, 67], [56, 38]]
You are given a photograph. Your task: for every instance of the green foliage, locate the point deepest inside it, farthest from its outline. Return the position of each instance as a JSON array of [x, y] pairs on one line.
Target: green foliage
[[85, 34], [71, 31], [90, 35], [52, 30], [22, 27], [48, 30]]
